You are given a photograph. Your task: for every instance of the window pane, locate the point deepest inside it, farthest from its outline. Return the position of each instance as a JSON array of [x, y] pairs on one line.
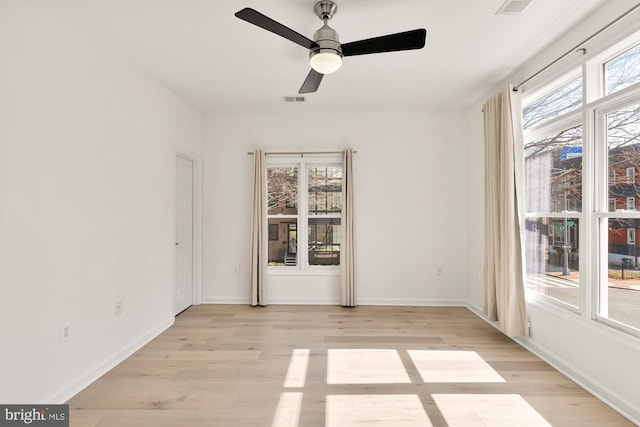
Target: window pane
[[324, 241], [283, 251], [325, 189], [621, 299], [282, 189], [623, 70], [273, 231], [552, 258], [623, 142], [553, 172], [562, 100]]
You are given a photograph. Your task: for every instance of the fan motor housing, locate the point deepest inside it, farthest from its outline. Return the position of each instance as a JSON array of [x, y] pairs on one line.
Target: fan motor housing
[[326, 39]]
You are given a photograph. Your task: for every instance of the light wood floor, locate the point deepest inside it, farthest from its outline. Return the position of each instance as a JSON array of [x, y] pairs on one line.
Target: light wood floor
[[308, 366]]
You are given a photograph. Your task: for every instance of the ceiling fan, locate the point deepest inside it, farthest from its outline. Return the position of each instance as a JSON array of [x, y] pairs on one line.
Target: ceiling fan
[[325, 50]]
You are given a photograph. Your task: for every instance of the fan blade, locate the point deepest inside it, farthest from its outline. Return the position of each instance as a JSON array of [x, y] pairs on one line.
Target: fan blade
[[312, 82], [390, 43], [256, 18]]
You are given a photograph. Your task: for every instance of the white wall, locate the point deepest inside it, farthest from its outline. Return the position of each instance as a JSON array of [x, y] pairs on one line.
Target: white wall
[[409, 177], [603, 360], [86, 188]]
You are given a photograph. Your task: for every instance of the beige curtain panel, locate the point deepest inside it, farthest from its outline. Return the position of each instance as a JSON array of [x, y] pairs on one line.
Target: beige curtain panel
[[348, 250], [259, 230], [504, 212]]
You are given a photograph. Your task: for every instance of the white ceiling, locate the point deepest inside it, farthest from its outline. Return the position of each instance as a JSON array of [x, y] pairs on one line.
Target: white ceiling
[[218, 63]]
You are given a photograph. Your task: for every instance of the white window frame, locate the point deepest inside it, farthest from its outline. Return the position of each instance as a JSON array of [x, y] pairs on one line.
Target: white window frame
[[303, 162], [599, 306], [558, 124], [286, 216], [596, 177]]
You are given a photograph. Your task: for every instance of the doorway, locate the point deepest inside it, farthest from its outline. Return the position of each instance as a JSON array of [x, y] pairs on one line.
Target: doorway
[[184, 241]]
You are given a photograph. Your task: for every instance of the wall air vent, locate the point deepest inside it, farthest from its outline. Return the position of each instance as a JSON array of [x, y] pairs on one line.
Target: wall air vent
[[294, 99], [512, 7]]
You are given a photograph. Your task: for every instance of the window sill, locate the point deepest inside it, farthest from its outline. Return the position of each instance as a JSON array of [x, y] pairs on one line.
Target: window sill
[[319, 271], [537, 298]]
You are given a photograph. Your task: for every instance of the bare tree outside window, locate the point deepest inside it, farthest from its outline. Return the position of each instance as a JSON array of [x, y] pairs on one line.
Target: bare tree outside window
[[623, 70], [623, 141], [282, 190], [563, 100], [325, 189], [553, 167]]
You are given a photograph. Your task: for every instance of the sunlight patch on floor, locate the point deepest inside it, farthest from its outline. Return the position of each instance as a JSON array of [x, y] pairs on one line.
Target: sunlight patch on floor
[[392, 410], [288, 410], [453, 367], [365, 366], [488, 410], [297, 371]]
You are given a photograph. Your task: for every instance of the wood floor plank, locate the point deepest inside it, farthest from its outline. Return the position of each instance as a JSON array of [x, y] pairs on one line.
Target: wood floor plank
[[226, 365]]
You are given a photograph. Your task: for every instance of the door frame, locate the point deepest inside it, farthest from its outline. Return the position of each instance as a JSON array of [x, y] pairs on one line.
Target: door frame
[[197, 225]]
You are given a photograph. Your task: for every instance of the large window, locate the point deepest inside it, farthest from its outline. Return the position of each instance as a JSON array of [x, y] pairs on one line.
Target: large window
[[553, 202], [304, 210], [581, 186]]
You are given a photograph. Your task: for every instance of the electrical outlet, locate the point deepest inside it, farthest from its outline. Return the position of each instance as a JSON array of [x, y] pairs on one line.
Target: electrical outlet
[[438, 271], [118, 308], [65, 333], [236, 271]]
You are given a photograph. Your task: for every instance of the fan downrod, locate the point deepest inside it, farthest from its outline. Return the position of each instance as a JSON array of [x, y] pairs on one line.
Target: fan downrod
[[325, 9]]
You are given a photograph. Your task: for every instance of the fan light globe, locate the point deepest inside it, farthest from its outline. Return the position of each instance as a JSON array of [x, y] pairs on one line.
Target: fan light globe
[[326, 62]]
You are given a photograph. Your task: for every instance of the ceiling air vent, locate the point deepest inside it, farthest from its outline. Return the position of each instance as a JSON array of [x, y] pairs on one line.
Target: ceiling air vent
[[511, 7], [293, 98]]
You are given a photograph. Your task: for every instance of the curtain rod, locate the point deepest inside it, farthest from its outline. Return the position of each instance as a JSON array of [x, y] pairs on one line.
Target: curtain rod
[[298, 153], [577, 48]]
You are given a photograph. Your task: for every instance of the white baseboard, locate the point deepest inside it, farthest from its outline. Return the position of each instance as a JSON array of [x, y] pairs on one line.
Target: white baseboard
[[423, 302], [303, 301], [333, 301], [81, 383], [274, 301], [225, 300]]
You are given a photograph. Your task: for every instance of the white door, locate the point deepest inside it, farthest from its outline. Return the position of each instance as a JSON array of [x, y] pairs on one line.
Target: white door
[[183, 283]]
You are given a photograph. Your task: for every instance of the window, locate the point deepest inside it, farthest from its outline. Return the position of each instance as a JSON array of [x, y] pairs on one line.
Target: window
[[553, 196], [282, 213], [631, 175], [273, 231], [324, 186], [618, 121], [305, 205], [631, 203], [631, 236], [580, 183]]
